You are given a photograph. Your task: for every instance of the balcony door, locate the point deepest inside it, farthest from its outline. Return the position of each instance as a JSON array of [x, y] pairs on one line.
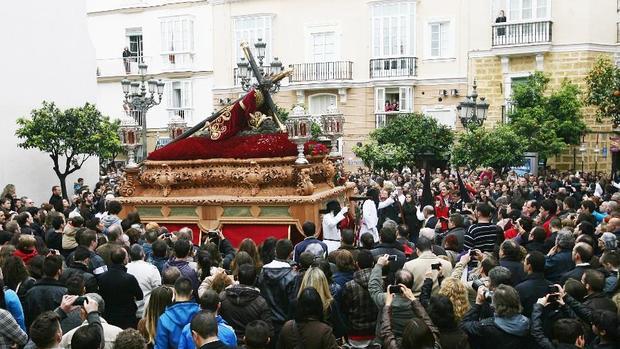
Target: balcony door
[[528, 10]]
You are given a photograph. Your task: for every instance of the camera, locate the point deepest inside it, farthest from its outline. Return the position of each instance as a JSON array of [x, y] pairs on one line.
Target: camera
[[472, 253], [213, 236], [476, 284], [392, 258], [79, 301], [488, 296], [395, 289], [435, 266]]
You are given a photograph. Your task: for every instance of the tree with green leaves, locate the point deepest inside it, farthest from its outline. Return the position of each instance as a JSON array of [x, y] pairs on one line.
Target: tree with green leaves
[[404, 140], [70, 136], [499, 148], [549, 121], [603, 92]]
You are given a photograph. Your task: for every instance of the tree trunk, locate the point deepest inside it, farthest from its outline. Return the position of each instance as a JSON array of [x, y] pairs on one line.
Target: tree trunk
[[63, 184]]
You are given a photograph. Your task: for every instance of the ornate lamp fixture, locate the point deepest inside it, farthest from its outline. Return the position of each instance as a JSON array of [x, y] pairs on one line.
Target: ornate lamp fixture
[[129, 132], [176, 126], [298, 127], [470, 111], [137, 98], [247, 76], [332, 124]]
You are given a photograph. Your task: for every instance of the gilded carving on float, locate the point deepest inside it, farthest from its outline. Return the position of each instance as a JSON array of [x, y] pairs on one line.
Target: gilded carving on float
[[265, 176]]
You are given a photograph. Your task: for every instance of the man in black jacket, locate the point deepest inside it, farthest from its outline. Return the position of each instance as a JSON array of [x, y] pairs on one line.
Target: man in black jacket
[[243, 303], [47, 293], [56, 200], [594, 282], [79, 266], [389, 246], [534, 286], [277, 284], [120, 291], [582, 254]]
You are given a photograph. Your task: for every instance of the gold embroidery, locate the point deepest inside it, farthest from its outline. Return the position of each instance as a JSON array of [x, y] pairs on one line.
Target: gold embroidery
[[259, 98], [256, 119], [217, 127]]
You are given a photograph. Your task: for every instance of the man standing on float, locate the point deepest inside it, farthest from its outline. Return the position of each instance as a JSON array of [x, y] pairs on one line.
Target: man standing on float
[[331, 234]]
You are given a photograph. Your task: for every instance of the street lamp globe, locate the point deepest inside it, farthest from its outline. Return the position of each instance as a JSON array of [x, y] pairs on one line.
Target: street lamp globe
[[260, 49], [142, 67]]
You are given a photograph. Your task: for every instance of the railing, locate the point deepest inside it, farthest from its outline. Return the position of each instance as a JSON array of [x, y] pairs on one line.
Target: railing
[[173, 61], [322, 71], [382, 119], [120, 66], [393, 67], [523, 33], [184, 113]]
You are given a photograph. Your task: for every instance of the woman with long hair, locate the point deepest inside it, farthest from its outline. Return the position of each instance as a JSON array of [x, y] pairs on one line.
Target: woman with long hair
[[410, 217], [315, 278], [161, 297], [456, 291], [309, 325], [16, 276], [248, 245]]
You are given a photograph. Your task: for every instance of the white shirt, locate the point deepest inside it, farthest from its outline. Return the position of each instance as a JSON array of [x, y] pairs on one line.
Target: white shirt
[[148, 278], [109, 334], [330, 225], [370, 218]]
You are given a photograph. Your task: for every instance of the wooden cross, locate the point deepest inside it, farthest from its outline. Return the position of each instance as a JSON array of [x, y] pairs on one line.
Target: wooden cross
[[264, 84]]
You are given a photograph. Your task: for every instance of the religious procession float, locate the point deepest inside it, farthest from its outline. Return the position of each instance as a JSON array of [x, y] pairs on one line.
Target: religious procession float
[[242, 170]]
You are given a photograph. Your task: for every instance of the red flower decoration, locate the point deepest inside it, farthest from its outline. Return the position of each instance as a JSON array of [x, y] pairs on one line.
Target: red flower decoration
[[241, 147]]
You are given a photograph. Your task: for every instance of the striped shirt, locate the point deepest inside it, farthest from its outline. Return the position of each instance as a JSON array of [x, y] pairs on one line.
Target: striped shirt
[[482, 236]]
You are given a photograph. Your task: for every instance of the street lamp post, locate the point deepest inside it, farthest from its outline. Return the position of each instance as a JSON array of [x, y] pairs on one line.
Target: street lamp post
[[471, 112], [247, 70], [140, 96]]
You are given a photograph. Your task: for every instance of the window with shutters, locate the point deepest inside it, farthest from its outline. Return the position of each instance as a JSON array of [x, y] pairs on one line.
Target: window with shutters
[[393, 27], [177, 40], [179, 97], [249, 29], [324, 47], [527, 10], [318, 104], [439, 40]]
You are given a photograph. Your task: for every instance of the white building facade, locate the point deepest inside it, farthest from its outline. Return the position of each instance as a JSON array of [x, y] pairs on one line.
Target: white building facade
[[52, 59], [174, 38]]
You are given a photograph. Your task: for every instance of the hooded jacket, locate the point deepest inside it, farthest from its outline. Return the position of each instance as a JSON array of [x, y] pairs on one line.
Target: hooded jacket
[[243, 304], [109, 220], [171, 323], [186, 271], [512, 332], [277, 286]]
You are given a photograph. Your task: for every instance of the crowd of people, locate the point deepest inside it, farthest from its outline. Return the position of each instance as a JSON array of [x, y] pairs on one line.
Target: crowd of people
[[413, 260]]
